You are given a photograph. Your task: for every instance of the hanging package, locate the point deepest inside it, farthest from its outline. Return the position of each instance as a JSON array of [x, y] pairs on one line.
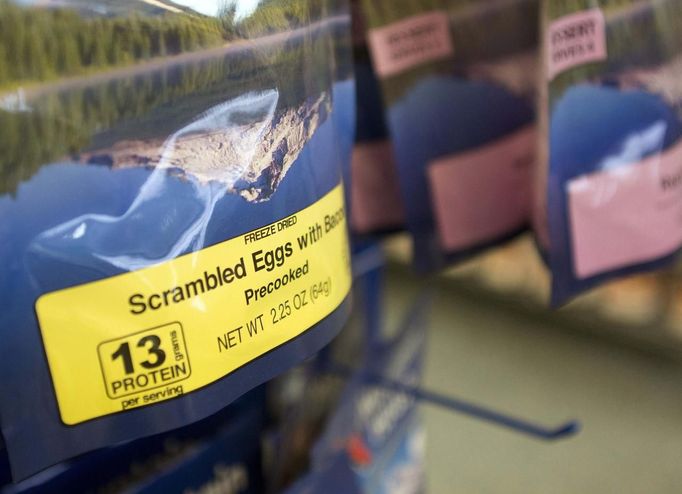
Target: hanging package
[[301, 402], [303, 399], [376, 205], [171, 214], [229, 462], [376, 429], [611, 168], [460, 109]]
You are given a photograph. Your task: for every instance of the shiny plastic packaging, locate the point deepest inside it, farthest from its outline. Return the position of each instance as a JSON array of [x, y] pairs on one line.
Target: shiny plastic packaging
[[609, 179], [458, 79], [376, 429], [302, 400], [172, 224]]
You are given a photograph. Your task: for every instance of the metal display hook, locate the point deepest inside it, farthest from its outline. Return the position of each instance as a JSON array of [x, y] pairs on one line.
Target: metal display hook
[[369, 265], [465, 407]]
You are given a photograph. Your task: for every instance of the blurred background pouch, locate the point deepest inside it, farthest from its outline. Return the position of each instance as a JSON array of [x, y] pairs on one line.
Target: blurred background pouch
[[378, 431], [376, 205], [460, 109], [613, 140]]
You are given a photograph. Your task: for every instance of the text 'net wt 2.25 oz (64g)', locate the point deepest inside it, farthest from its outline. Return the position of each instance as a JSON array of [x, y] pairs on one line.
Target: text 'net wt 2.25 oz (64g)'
[[171, 213], [459, 103], [609, 201]]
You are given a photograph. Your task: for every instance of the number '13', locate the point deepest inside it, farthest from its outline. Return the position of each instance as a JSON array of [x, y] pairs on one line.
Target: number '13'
[[156, 356]]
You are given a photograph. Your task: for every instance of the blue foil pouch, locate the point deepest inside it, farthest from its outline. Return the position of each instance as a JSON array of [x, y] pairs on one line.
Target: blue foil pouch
[[610, 175], [172, 222], [460, 108], [376, 205], [377, 430]]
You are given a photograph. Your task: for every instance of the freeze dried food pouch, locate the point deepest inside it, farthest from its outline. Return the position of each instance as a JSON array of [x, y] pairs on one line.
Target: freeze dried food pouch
[[458, 79], [302, 400], [613, 139], [171, 212], [376, 205], [380, 430]]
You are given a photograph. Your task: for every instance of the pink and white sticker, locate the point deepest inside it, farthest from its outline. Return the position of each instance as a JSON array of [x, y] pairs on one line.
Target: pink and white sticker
[[485, 193], [410, 42], [626, 215], [574, 40]]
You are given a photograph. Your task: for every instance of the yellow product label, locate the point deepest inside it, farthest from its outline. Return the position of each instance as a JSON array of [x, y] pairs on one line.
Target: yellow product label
[[147, 336]]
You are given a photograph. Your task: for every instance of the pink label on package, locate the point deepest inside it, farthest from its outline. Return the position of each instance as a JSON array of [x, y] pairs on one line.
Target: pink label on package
[[375, 193], [626, 215], [574, 40], [410, 42], [483, 194]]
